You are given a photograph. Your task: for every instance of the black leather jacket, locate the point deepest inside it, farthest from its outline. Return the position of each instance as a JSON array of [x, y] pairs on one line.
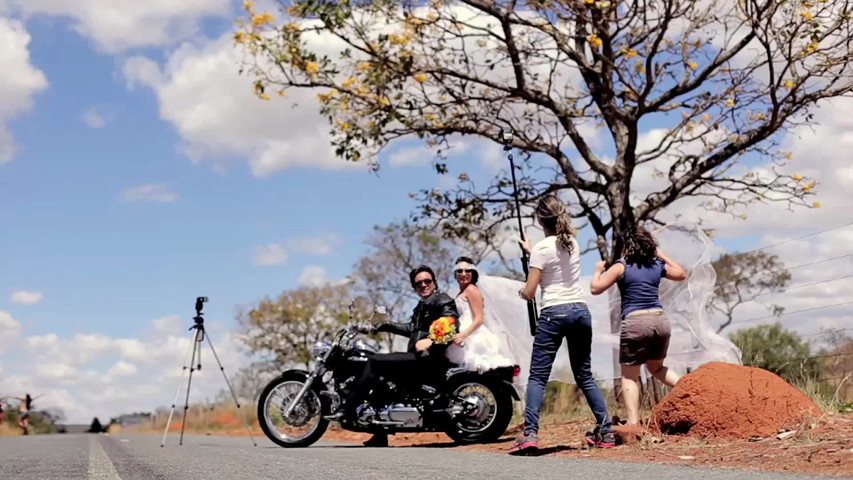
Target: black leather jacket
[[435, 306]]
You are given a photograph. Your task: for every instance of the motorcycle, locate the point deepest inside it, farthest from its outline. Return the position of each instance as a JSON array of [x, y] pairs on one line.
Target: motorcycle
[[295, 408]]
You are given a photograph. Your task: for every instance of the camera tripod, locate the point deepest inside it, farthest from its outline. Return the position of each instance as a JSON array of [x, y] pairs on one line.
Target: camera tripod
[[193, 363]]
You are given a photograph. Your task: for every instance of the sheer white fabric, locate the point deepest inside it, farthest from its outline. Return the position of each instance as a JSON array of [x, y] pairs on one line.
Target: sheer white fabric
[[482, 350], [693, 341]]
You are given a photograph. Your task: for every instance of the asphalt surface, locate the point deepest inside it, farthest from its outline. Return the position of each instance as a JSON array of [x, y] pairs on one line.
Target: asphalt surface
[[113, 457]]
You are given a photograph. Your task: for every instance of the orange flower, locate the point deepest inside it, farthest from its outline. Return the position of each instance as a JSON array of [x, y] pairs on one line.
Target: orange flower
[[442, 330]]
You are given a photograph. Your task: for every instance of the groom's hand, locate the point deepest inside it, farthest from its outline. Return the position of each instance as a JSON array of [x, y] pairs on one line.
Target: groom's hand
[[366, 328], [423, 345]]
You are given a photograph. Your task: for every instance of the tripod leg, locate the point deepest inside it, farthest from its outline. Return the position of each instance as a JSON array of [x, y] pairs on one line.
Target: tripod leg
[[189, 382], [233, 395], [184, 368]]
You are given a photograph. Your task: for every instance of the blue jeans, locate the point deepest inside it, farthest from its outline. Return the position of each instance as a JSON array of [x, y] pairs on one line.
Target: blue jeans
[[573, 322]]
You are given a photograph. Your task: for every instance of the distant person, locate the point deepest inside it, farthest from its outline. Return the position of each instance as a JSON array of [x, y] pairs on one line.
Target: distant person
[[645, 333], [24, 409], [2, 404]]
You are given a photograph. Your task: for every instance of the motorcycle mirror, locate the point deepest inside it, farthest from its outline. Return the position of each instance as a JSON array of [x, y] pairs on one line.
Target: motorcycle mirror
[[359, 303]]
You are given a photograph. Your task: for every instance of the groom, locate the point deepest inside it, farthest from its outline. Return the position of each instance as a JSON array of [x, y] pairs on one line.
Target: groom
[[420, 359]]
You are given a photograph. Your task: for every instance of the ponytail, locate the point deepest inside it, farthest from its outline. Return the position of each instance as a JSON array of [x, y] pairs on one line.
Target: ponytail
[[551, 211]]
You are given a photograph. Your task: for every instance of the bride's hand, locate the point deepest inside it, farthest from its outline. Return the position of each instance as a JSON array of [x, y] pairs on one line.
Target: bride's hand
[[459, 340]]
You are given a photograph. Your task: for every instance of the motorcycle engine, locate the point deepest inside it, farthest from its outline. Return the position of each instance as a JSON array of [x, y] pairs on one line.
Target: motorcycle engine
[[407, 416]]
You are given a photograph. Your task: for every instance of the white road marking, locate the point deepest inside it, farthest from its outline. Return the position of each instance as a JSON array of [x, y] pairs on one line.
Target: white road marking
[[100, 466]]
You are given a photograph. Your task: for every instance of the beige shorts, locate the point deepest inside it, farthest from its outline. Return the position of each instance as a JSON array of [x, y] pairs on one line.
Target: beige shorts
[[644, 336]]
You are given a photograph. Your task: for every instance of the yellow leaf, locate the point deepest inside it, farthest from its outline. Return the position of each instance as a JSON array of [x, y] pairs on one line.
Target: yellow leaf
[[706, 117], [420, 77], [282, 93], [807, 188], [816, 204], [312, 68], [594, 41], [262, 19], [743, 217], [730, 102], [248, 4], [693, 65], [798, 177], [807, 15]]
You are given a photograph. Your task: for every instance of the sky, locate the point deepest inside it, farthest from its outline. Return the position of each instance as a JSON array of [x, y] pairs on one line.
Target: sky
[[138, 171]]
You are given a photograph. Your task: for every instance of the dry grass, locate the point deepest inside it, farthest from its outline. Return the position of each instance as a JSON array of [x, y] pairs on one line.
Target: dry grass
[[216, 419], [7, 430]]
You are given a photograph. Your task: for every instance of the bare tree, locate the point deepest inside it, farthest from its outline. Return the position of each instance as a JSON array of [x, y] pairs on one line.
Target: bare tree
[[718, 82], [742, 278], [282, 331]]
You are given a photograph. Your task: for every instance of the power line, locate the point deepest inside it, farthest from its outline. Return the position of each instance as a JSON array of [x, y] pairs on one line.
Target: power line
[[819, 261], [804, 285], [783, 242], [823, 307], [828, 355], [826, 332]]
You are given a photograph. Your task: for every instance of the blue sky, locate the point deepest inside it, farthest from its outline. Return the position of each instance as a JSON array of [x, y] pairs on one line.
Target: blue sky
[[119, 207]]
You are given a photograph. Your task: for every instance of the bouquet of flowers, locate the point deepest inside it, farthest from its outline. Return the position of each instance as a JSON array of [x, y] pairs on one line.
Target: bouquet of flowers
[[443, 330]]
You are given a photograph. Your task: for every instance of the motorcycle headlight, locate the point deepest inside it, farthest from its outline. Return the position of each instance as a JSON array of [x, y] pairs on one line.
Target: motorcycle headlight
[[319, 349]]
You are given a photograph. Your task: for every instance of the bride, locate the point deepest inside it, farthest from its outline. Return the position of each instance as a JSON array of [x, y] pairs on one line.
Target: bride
[[476, 346]]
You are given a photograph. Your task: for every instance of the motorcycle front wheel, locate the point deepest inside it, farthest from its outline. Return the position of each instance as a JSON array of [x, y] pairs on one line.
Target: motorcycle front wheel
[[491, 413], [305, 424]]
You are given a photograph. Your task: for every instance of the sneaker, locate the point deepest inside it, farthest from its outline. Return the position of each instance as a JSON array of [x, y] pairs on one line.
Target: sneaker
[[596, 439], [526, 444]]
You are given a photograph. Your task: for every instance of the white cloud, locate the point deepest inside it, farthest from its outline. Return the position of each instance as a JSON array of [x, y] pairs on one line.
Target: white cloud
[[323, 245], [89, 375], [219, 119], [270, 255], [416, 155], [169, 325], [10, 330], [313, 276], [116, 25], [55, 371], [21, 80], [151, 192], [94, 118], [122, 369], [25, 298]]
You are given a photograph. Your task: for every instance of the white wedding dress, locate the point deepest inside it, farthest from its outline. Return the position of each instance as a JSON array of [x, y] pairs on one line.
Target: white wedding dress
[[483, 349]]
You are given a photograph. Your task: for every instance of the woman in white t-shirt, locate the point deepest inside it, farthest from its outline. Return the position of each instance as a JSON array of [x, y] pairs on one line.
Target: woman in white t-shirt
[[555, 268]]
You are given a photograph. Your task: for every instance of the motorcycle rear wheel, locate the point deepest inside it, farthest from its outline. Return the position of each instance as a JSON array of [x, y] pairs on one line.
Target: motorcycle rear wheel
[[491, 417], [288, 432]]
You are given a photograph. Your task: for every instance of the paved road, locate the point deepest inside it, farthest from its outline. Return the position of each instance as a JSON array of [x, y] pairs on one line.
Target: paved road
[[126, 457]]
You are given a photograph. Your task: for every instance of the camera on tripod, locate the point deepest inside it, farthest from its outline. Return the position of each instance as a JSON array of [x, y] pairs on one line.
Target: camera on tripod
[[199, 304], [192, 363]]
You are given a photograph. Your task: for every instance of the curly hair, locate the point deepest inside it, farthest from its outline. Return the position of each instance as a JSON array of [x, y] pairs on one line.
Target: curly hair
[[640, 247], [552, 213]]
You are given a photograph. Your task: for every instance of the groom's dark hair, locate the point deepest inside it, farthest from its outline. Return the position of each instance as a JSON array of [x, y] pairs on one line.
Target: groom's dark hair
[[422, 268]]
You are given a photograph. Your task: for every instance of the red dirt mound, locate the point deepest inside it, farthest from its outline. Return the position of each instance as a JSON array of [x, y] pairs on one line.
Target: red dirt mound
[[726, 400]]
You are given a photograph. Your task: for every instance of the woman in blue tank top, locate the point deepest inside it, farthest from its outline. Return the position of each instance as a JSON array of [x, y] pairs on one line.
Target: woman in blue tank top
[[644, 337]]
